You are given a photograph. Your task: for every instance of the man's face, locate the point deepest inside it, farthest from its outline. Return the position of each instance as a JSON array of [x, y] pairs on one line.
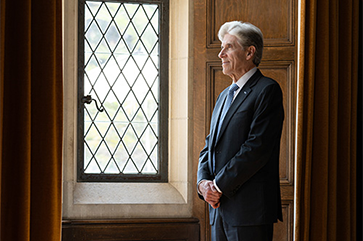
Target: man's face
[[234, 57]]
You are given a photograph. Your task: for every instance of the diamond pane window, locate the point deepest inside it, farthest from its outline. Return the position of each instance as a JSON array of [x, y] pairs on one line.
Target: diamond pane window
[[123, 91]]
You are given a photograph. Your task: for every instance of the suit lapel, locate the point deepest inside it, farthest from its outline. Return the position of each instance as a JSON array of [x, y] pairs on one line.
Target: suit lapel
[[218, 111], [241, 97]]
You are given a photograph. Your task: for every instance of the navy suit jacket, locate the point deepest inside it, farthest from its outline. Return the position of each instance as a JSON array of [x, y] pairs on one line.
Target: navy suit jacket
[[246, 154]]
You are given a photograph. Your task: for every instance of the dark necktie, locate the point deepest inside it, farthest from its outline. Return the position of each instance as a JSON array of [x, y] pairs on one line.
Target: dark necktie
[[227, 104]]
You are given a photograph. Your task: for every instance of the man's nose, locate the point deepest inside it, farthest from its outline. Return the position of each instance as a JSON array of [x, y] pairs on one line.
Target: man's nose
[[221, 54]]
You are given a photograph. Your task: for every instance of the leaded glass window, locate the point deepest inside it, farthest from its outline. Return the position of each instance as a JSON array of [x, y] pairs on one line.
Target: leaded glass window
[[123, 90]]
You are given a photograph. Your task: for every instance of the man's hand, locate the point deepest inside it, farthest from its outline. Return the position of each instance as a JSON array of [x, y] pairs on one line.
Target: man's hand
[[210, 193]]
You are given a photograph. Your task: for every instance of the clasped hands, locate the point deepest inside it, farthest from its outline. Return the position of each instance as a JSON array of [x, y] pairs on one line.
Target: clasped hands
[[210, 193]]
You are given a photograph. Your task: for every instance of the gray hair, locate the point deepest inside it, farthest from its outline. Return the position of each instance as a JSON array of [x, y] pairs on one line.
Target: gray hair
[[247, 35]]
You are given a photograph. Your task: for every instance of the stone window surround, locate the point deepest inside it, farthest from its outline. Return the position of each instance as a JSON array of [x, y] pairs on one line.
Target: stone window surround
[[134, 200]]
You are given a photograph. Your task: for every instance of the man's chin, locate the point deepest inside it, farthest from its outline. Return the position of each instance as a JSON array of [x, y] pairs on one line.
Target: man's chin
[[226, 72]]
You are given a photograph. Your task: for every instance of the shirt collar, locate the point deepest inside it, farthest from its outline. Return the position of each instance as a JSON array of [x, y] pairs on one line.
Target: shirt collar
[[243, 80]]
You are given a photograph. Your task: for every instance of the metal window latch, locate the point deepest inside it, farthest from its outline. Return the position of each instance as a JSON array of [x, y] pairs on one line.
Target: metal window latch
[[88, 99]]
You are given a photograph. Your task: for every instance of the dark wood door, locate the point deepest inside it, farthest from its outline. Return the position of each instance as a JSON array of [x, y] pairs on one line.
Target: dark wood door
[[277, 19]]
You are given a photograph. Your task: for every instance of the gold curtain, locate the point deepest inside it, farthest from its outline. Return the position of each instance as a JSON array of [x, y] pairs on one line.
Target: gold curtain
[[327, 126], [31, 109]]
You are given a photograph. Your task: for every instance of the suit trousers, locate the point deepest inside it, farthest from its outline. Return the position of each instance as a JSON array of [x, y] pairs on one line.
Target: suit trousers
[[222, 231]]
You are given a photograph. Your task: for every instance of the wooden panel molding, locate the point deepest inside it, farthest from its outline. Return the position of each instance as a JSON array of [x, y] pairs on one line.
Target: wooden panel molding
[[283, 230], [131, 229], [283, 73], [276, 23], [277, 20]]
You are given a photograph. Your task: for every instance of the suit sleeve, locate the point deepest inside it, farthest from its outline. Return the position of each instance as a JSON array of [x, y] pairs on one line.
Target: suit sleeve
[[256, 151], [203, 165], [203, 168]]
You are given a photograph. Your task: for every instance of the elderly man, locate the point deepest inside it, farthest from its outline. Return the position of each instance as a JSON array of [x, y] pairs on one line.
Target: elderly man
[[238, 172]]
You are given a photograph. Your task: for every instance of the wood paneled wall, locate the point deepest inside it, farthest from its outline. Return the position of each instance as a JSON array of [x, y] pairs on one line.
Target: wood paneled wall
[[277, 20], [131, 229]]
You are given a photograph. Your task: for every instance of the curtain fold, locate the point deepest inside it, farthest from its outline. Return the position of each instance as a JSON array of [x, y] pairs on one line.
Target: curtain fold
[[2, 44], [327, 128], [31, 119]]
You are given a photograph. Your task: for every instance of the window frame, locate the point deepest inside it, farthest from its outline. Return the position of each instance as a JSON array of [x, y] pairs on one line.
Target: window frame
[[163, 107]]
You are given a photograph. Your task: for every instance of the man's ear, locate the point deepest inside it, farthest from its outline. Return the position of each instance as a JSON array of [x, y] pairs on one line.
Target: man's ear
[[251, 52]]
